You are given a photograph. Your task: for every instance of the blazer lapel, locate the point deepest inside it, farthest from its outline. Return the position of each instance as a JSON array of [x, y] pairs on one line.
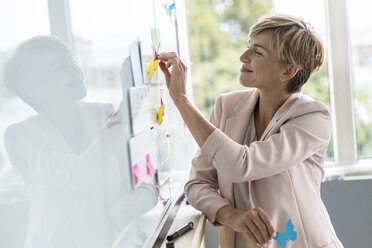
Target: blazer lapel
[[235, 128]]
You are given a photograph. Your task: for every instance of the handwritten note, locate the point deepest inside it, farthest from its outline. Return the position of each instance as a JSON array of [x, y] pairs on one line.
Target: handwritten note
[[144, 102]]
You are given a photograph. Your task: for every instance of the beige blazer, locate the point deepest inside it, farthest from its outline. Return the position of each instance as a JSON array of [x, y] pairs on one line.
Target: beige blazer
[[284, 168]]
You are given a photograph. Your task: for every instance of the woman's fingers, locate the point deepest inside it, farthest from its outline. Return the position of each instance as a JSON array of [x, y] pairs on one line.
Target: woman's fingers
[[261, 231], [262, 224], [256, 233], [250, 235], [259, 225], [167, 56], [265, 218], [254, 223], [176, 77], [164, 69], [172, 60], [166, 72]]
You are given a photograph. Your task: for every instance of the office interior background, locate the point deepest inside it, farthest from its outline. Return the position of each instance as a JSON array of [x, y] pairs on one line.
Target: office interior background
[[217, 35]]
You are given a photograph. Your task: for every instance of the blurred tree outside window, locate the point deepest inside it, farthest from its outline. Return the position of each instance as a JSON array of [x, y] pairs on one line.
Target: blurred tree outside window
[[360, 26]]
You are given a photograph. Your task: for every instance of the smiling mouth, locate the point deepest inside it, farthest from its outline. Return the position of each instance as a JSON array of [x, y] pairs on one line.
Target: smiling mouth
[[242, 69]]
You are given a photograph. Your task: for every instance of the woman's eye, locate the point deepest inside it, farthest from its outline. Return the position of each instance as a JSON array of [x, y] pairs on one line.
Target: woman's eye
[[258, 53]]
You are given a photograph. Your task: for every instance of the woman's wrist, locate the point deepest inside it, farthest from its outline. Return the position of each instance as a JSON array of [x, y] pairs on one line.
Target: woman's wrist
[[180, 100], [225, 214]]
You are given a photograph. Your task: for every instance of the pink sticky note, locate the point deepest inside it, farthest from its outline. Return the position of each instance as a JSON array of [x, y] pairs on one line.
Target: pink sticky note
[[161, 197], [138, 174], [149, 165], [161, 96]]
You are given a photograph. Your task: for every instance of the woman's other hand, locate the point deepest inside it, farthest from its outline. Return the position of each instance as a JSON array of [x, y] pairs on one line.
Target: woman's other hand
[[176, 78], [254, 223]]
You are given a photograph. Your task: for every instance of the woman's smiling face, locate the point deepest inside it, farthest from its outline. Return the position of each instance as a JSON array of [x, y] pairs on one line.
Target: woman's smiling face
[[261, 64]]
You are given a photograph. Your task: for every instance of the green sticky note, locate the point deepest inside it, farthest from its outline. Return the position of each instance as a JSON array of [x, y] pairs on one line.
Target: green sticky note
[[155, 35]]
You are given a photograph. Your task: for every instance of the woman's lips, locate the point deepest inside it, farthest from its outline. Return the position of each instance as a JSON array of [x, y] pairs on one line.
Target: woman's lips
[[242, 69]]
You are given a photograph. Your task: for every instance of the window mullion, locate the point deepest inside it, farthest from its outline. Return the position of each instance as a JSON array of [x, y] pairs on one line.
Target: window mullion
[[344, 133], [60, 21]]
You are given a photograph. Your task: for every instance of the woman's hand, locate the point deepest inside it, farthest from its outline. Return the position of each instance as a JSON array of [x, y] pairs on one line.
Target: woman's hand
[[254, 223], [176, 79]]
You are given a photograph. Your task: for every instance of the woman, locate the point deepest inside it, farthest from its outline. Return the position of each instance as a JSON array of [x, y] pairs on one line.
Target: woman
[[259, 169], [69, 152]]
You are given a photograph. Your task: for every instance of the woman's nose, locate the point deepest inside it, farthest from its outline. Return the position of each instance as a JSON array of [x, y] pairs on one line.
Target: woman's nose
[[244, 58]]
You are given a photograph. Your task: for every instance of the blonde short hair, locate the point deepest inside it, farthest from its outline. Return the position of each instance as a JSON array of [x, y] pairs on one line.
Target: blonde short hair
[[296, 43]]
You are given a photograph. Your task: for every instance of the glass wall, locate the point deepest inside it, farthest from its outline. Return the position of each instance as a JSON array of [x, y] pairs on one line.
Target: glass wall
[[19, 20], [16, 25], [88, 158]]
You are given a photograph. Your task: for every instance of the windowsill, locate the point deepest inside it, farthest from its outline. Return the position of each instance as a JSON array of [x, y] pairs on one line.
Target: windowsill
[[362, 169]]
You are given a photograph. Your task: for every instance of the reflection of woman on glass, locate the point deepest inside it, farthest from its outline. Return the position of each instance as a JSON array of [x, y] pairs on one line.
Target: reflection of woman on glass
[[261, 157], [66, 152]]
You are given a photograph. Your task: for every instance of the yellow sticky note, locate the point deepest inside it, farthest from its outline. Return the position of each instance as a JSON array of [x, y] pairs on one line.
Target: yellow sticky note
[[152, 67], [160, 114], [174, 14]]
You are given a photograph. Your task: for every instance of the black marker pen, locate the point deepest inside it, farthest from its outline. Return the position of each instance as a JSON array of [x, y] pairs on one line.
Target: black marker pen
[[180, 231]]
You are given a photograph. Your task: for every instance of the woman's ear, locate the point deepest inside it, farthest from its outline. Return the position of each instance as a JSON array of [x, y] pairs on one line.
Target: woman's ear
[[289, 72]]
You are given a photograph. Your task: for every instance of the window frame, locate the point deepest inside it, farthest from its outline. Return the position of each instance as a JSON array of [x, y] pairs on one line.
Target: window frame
[[341, 94]]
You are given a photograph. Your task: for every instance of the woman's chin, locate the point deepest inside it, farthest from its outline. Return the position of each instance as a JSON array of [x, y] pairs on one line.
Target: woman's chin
[[77, 94], [245, 83]]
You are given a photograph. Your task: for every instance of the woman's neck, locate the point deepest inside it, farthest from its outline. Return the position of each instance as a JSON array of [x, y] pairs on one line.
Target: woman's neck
[[61, 114], [267, 105]]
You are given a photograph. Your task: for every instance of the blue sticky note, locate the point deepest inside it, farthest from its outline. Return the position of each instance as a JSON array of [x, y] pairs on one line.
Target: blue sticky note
[[169, 8], [136, 63], [289, 234]]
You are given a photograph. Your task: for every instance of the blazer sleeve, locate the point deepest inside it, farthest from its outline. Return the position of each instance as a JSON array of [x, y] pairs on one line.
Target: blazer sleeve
[[298, 139], [202, 187]]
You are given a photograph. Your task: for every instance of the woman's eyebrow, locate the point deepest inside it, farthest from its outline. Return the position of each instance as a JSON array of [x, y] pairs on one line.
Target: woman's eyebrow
[[258, 45], [261, 46]]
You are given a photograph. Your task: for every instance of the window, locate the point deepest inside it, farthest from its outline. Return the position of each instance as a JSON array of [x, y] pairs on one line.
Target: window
[[16, 25], [312, 12], [218, 36], [360, 26], [102, 33]]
